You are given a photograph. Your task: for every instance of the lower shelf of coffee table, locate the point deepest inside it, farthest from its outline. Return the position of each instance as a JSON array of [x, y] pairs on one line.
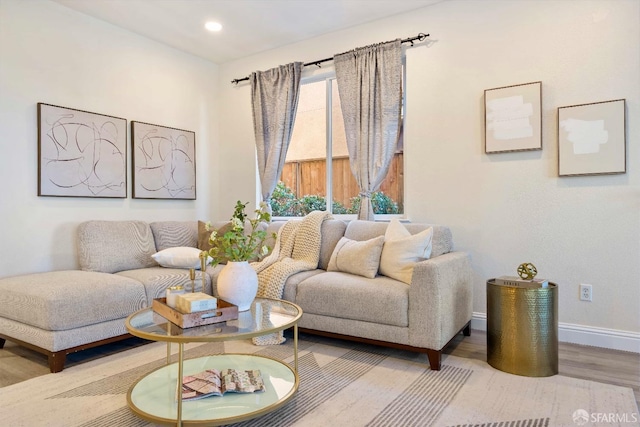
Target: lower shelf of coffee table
[[153, 397]]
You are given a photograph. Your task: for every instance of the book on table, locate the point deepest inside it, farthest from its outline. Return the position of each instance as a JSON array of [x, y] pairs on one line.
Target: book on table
[[213, 382], [518, 282]]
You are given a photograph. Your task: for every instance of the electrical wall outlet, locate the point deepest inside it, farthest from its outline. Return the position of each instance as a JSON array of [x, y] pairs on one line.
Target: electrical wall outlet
[[586, 293]]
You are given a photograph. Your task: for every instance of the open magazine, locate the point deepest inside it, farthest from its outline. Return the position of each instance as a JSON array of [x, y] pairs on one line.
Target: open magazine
[[216, 383]]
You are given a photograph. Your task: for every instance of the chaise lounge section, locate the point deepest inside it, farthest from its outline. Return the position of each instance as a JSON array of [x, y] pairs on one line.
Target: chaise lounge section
[[60, 312]]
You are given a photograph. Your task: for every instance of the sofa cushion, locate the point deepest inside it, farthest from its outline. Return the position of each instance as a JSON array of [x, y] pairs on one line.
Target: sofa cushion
[[442, 242], [361, 258], [112, 246], [61, 300], [172, 234], [343, 295], [156, 280], [332, 231], [402, 250], [291, 285]]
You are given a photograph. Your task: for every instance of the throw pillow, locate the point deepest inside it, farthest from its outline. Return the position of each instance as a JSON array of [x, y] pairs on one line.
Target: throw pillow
[[402, 250], [179, 257], [203, 234], [360, 258]]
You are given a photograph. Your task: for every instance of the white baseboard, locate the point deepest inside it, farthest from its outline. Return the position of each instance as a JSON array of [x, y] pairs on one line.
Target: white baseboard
[[580, 334]]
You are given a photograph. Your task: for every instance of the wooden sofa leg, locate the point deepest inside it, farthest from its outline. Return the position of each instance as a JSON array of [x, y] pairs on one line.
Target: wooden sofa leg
[[56, 361], [2, 341], [434, 359], [467, 330]]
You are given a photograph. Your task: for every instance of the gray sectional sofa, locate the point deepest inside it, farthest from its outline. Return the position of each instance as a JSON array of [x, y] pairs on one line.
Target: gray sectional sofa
[[61, 312]]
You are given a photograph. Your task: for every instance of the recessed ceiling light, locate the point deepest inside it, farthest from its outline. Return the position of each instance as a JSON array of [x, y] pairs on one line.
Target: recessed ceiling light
[[213, 26]]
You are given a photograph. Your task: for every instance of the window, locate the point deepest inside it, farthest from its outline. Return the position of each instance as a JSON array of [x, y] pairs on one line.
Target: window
[[308, 180]]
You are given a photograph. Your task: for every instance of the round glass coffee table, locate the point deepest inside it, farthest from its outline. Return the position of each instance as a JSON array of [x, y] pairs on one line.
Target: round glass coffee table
[[156, 397]]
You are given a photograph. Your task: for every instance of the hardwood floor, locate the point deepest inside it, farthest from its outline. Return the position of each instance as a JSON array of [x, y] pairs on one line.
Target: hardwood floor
[[591, 363]]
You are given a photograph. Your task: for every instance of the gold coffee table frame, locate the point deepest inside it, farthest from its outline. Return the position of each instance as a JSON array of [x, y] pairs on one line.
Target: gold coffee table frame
[[266, 316]]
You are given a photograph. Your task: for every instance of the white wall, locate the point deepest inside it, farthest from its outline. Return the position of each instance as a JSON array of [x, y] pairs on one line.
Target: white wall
[[51, 54], [503, 209]]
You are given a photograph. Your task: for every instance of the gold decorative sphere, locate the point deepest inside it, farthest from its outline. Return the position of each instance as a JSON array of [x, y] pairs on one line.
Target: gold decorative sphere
[[527, 271]]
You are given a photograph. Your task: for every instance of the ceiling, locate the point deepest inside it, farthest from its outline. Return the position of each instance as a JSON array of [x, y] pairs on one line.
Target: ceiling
[[249, 26]]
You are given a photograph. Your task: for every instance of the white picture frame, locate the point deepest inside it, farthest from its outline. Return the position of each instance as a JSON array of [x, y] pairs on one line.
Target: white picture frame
[[163, 162], [513, 118], [592, 139], [81, 154]]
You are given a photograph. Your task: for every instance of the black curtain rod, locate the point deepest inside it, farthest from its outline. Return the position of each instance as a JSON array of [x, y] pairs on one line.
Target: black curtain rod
[[420, 37]]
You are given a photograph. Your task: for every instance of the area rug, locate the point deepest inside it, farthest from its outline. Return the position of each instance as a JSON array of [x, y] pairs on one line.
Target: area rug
[[341, 384]]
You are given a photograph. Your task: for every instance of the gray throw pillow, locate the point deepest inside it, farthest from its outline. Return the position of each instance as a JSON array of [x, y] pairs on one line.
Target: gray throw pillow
[[357, 257]]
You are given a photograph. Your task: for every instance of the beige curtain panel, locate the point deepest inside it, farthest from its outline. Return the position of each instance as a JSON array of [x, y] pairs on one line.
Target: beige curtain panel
[[370, 89], [274, 98]]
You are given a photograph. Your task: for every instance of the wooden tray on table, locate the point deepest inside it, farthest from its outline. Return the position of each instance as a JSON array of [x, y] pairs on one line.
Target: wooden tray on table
[[225, 311]]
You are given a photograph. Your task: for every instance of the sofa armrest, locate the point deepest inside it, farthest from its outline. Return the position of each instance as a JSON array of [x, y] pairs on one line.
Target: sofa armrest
[[440, 300]]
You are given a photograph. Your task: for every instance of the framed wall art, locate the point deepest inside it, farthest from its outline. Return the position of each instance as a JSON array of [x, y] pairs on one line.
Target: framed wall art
[[591, 139], [513, 120], [81, 154], [163, 162]]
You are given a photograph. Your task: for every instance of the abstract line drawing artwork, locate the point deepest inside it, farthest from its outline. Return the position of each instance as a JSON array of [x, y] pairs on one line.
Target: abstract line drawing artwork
[[164, 162], [81, 154], [513, 119], [592, 139]]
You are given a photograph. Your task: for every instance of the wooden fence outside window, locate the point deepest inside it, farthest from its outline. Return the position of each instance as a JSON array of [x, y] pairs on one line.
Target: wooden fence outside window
[[306, 177]]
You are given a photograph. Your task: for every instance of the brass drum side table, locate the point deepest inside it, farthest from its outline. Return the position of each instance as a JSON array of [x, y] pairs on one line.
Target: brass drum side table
[[522, 329]]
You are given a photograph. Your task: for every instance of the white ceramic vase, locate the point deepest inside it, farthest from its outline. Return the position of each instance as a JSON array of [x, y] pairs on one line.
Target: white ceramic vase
[[238, 284]]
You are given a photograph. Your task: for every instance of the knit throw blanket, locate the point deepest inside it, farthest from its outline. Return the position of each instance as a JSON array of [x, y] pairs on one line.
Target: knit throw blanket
[[297, 249]]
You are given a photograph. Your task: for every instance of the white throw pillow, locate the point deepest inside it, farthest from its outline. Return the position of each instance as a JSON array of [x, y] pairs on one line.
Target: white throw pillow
[[360, 258], [179, 257], [402, 250]]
